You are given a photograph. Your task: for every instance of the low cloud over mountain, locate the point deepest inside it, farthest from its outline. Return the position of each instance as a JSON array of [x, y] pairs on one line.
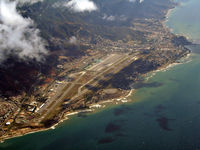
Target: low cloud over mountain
[[28, 1], [140, 1], [81, 5], [18, 35]]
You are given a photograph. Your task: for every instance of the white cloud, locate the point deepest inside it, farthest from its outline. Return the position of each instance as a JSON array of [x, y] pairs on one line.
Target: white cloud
[[81, 5], [114, 18], [73, 40], [140, 1], [28, 1], [18, 36], [132, 0], [109, 18]]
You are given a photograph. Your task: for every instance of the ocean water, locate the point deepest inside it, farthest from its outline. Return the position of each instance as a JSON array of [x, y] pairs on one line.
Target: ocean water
[[162, 116], [185, 19]]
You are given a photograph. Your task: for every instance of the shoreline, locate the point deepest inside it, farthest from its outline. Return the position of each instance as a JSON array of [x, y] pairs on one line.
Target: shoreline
[[115, 101], [92, 109], [169, 12], [169, 66], [102, 104]]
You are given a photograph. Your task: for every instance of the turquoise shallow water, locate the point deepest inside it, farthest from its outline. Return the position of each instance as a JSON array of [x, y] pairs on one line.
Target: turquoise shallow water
[[185, 19], [164, 117]]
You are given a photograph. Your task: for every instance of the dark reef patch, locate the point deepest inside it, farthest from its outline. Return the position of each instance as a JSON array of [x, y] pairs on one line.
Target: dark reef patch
[[112, 127], [106, 140], [164, 123], [115, 126]]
